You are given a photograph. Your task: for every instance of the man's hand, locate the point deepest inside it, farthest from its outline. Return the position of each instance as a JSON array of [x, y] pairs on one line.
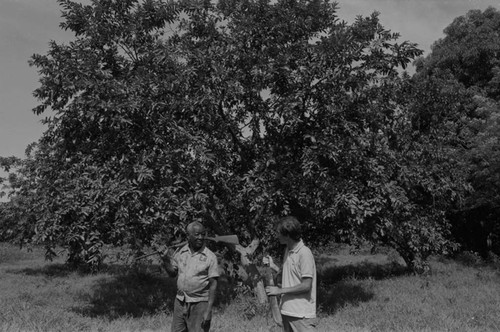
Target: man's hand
[[268, 260], [273, 290], [167, 259], [207, 317], [167, 256]]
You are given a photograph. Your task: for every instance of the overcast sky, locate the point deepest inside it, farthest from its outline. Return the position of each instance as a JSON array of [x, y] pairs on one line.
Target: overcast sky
[[26, 27]]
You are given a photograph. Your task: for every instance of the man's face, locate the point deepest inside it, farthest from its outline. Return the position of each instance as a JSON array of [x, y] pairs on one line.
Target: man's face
[[196, 237], [282, 238]]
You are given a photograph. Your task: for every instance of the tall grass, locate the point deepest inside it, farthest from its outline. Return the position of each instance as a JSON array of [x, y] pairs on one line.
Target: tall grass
[[355, 293]]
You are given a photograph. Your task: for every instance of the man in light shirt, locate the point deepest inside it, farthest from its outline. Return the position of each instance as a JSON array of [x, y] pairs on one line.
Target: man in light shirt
[[298, 279], [195, 267]]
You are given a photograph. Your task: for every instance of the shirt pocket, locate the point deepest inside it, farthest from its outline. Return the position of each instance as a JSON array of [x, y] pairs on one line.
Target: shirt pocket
[[201, 268]]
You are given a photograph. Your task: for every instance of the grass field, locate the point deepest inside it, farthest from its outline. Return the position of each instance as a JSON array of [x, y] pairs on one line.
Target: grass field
[[355, 293]]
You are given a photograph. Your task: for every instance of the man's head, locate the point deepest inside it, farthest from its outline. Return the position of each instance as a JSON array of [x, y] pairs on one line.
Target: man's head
[[289, 227], [196, 235]]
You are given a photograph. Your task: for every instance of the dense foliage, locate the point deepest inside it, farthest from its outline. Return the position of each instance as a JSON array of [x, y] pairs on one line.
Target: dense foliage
[[467, 61], [235, 113]]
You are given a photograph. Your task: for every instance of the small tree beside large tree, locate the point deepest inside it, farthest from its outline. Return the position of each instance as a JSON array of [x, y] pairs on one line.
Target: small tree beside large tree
[[466, 62]]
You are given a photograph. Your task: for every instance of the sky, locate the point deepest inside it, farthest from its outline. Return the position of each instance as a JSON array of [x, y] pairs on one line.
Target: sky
[[27, 26]]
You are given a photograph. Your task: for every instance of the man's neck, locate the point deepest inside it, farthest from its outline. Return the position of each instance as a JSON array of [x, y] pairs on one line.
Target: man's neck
[[193, 250], [292, 244]]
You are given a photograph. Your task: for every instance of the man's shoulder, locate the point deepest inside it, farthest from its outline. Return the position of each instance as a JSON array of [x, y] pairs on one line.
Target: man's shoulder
[[180, 249], [209, 253], [183, 249], [306, 251], [306, 248]]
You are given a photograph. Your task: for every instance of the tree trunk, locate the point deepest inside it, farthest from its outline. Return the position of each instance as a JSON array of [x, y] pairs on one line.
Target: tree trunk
[[273, 301], [253, 274], [414, 263]]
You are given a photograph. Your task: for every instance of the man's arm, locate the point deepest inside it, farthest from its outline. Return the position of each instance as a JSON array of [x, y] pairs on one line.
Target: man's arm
[[172, 269], [304, 287], [207, 315]]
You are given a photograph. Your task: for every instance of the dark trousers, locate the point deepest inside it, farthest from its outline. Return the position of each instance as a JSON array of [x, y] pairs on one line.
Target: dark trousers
[[294, 324], [188, 317]]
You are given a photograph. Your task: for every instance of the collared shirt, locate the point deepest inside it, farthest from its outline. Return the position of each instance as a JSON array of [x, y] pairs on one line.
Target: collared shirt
[[299, 263], [194, 271]]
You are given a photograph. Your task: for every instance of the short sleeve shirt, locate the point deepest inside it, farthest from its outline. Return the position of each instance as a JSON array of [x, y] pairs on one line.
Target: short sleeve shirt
[[299, 263], [194, 271]]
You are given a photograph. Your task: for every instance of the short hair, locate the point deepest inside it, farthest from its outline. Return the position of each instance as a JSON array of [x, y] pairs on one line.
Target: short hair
[[290, 226], [190, 227]]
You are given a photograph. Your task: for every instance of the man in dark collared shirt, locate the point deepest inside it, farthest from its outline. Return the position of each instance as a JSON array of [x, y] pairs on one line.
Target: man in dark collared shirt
[[195, 267]]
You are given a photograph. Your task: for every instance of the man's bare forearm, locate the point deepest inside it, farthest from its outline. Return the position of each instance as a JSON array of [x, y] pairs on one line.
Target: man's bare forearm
[[171, 270], [303, 287], [211, 294]]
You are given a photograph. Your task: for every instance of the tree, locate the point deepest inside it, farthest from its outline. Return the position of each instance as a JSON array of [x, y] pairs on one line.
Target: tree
[[470, 51], [482, 209], [466, 61], [232, 113]]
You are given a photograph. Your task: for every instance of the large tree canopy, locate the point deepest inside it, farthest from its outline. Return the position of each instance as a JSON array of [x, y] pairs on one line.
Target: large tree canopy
[[232, 113]]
